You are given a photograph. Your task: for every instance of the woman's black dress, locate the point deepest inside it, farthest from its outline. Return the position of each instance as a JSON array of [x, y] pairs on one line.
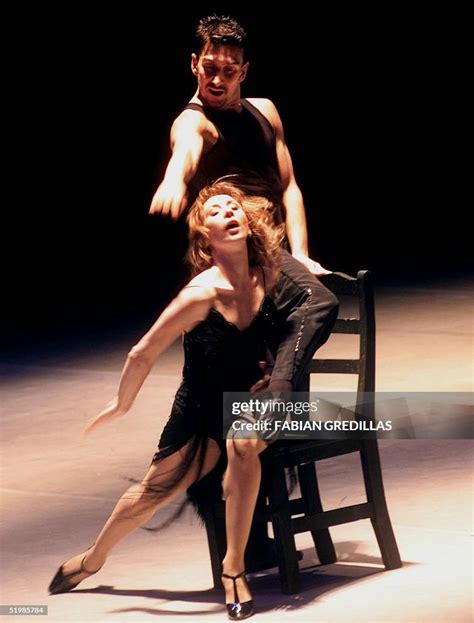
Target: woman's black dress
[[219, 357]]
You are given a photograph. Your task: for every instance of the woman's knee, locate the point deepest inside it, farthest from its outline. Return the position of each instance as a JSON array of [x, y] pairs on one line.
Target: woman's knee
[[332, 303], [241, 449]]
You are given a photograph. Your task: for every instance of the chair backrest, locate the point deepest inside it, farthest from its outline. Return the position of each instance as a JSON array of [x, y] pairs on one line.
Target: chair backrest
[[361, 288]]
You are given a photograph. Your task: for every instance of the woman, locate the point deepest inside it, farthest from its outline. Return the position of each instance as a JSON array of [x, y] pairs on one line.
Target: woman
[[226, 317]]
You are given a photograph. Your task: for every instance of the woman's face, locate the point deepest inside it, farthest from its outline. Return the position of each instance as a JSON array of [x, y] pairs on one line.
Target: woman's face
[[225, 220]]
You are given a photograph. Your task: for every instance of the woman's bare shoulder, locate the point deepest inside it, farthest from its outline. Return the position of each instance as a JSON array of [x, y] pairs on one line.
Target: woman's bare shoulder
[[202, 286]]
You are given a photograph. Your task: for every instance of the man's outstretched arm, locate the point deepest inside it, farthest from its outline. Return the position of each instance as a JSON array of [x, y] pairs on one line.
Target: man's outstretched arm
[[187, 144]]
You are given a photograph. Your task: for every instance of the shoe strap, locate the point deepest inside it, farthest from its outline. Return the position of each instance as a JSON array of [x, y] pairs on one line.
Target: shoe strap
[[234, 578]]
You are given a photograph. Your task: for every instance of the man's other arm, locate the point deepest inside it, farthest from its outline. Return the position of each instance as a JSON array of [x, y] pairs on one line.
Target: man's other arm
[[296, 228]]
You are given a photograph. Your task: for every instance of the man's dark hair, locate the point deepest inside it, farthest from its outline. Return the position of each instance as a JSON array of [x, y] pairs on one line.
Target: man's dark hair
[[220, 30]]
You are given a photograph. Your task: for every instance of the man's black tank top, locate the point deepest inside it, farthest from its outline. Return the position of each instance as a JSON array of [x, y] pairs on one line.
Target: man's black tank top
[[245, 148]]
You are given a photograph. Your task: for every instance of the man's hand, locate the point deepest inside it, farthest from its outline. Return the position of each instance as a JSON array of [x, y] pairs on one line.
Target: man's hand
[[311, 265], [111, 412], [170, 199]]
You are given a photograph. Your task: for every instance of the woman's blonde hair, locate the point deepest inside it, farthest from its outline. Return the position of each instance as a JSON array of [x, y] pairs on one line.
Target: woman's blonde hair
[[262, 244]]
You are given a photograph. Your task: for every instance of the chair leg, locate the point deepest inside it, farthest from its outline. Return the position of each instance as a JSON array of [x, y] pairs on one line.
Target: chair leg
[[285, 545], [260, 551], [216, 537], [310, 493], [375, 494]]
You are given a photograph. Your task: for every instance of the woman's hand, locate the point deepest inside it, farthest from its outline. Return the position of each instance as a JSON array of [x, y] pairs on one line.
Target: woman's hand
[[111, 412], [267, 369]]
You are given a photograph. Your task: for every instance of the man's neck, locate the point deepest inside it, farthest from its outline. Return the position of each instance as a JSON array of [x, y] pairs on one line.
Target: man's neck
[[235, 105]]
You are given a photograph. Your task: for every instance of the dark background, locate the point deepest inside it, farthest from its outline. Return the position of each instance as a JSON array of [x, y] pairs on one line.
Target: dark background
[[364, 99]]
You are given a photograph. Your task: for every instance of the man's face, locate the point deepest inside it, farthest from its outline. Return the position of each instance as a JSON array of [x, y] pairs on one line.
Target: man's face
[[220, 70]]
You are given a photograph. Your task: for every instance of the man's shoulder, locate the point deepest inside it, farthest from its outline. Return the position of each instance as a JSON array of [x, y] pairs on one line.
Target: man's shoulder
[[190, 116], [265, 106], [194, 120], [262, 103]]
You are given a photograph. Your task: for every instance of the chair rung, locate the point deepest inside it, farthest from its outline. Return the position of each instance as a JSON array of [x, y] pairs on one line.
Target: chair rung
[[333, 518], [347, 325], [334, 366], [297, 506]]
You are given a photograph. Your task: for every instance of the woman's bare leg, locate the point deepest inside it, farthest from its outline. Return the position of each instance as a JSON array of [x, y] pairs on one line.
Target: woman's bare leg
[[139, 503], [241, 486]]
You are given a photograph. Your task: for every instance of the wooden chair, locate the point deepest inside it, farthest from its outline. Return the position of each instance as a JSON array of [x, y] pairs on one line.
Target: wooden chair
[[274, 503]]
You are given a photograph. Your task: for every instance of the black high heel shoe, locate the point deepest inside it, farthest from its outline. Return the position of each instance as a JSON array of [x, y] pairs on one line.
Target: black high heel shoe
[[238, 610], [61, 583]]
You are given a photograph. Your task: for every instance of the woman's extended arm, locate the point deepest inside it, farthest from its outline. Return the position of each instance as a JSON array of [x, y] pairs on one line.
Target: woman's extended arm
[[190, 307]]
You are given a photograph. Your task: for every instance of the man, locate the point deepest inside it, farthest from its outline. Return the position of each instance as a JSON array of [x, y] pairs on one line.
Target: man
[[219, 133]]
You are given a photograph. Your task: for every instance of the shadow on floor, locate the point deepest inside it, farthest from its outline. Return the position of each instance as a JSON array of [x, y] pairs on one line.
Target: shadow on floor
[[316, 581]]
